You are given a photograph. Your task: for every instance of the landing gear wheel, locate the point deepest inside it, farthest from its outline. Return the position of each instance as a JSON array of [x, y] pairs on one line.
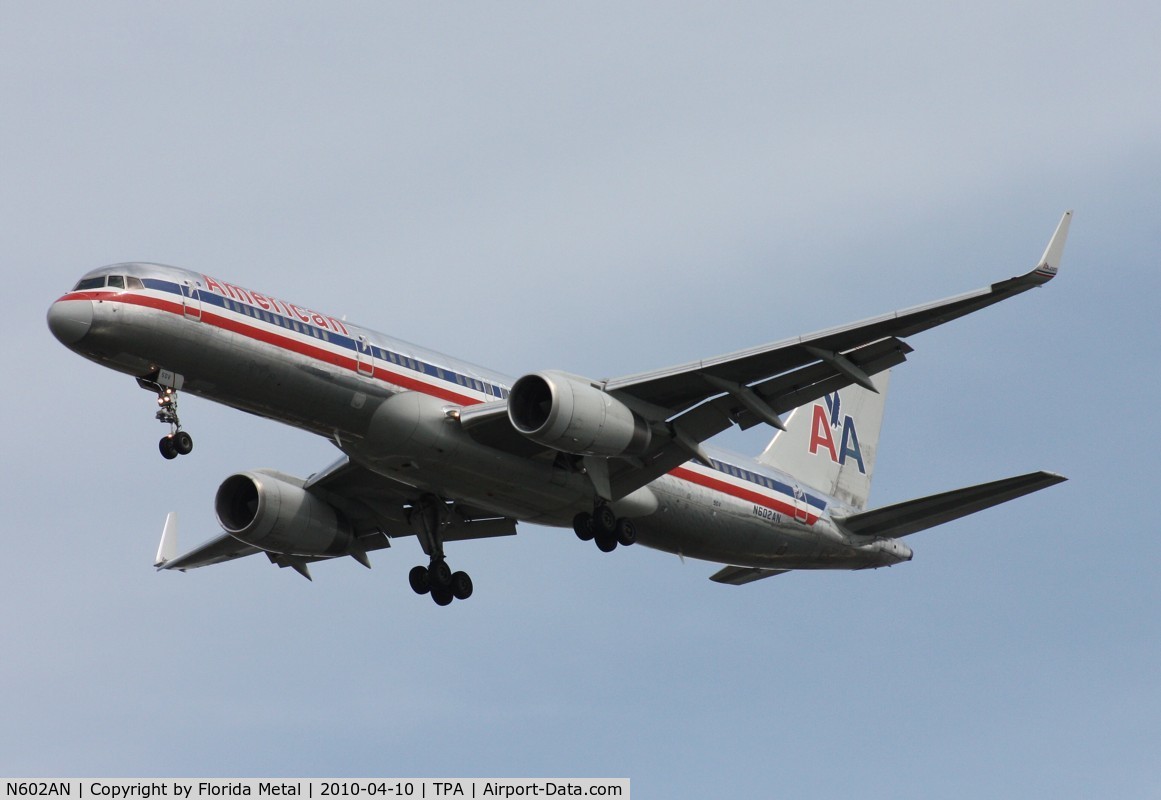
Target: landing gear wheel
[[626, 532], [440, 574], [441, 595], [606, 542], [461, 585], [419, 579], [167, 447], [183, 443], [604, 520], [582, 525]]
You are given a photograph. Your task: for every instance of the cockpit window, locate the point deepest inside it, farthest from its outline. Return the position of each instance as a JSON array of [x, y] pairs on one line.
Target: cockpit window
[[90, 283], [112, 281]]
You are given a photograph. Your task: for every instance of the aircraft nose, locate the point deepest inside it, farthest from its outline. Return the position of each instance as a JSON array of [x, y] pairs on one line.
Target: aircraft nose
[[70, 320]]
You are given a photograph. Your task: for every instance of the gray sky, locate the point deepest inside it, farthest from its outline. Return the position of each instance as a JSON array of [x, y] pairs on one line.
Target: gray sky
[[605, 189]]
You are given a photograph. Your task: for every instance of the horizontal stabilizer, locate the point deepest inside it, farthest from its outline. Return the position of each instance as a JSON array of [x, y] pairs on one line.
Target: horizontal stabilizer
[[920, 514], [736, 576]]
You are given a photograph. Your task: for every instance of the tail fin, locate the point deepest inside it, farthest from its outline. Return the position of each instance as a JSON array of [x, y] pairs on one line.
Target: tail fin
[[830, 444]]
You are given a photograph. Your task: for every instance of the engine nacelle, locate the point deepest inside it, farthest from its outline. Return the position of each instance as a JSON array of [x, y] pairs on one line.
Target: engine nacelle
[[275, 514], [567, 413]]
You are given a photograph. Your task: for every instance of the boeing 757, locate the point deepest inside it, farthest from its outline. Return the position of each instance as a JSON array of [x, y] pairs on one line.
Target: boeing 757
[[445, 450]]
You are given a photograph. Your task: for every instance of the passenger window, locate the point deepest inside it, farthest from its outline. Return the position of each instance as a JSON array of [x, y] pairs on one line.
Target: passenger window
[[116, 281]]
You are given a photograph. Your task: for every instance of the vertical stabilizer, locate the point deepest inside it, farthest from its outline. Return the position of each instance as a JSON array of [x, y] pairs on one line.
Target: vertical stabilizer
[[830, 444]]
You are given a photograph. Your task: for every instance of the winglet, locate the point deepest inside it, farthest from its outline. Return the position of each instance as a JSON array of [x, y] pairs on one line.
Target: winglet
[[167, 549], [1050, 261]]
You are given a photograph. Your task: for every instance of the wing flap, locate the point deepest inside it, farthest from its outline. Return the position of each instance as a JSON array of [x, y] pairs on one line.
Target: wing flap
[[463, 528], [912, 516]]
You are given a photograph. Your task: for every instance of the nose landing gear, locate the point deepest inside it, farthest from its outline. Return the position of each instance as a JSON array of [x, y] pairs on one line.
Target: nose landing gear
[[177, 442]]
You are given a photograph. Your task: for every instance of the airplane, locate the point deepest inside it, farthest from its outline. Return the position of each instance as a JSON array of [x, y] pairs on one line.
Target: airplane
[[435, 447]]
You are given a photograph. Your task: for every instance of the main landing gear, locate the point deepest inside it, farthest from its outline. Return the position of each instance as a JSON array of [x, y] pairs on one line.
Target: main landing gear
[[177, 442], [437, 578], [605, 528]]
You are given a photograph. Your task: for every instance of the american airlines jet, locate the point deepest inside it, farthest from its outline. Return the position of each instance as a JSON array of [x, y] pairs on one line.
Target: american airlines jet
[[446, 450]]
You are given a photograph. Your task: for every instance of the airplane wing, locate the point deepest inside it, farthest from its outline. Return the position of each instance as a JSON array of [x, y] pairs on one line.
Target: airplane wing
[[373, 505], [215, 551], [689, 403], [680, 387], [225, 548], [912, 516], [760, 384]]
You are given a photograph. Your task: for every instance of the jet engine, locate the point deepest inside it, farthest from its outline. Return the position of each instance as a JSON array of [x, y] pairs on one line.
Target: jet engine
[[273, 512], [566, 412]]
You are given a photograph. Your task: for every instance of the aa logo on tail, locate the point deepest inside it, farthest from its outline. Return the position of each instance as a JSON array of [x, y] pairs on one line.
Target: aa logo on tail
[[825, 423]]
